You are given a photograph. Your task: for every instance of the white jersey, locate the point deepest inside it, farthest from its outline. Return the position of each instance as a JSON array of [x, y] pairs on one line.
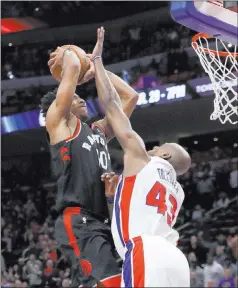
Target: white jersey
[[147, 204]]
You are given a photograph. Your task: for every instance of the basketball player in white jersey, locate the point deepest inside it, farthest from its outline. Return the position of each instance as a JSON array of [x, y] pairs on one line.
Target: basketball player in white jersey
[[147, 200]]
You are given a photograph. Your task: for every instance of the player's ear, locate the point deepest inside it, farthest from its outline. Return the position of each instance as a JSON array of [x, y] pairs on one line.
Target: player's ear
[[166, 156]]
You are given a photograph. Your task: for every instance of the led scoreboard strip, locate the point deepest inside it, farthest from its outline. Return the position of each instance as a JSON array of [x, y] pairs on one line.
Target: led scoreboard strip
[[160, 94], [163, 95]]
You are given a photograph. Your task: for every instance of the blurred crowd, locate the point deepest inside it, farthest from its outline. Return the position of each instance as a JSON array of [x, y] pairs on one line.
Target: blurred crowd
[[174, 67], [134, 42], [29, 252], [76, 12]]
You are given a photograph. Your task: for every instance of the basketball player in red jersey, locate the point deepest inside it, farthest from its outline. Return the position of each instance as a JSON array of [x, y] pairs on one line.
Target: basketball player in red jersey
[[147, 200], [80, 156]]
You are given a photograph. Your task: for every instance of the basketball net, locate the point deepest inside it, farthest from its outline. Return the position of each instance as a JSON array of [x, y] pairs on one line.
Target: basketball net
[[222, 67]]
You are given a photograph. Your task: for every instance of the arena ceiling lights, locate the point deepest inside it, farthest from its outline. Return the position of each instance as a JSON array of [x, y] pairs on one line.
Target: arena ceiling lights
[[13, 25]]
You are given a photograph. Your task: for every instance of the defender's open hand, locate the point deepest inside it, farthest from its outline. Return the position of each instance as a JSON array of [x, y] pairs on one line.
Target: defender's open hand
[[97, 51]]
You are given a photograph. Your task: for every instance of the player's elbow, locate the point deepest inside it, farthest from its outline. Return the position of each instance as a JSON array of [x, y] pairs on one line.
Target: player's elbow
[[135, 96], [128, 135], [132, 97]]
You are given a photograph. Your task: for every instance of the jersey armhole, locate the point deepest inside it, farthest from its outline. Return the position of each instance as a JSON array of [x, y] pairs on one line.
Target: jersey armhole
[[129, 178], [133, 177], [96, 124]]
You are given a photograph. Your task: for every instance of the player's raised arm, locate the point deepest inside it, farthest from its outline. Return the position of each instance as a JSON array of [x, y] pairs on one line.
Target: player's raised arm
[[60, 108], [127, 94], [128, 98], [109, 99]]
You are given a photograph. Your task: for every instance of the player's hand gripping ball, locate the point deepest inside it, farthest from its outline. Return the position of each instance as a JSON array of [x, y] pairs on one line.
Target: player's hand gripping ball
[[82, 56]]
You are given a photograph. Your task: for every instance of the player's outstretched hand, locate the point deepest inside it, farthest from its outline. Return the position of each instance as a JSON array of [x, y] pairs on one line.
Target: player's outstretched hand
[[97, 51], [111, 181]]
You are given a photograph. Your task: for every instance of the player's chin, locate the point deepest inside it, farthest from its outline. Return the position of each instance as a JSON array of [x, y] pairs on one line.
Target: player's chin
[[83, 111], [150, 153], [83, 114]]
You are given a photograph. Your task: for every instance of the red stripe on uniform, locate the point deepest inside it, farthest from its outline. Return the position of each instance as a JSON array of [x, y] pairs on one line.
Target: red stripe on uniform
[[113, 281], [96, 124], [125, 202], [67, 218], [217, 3], [138, 262]]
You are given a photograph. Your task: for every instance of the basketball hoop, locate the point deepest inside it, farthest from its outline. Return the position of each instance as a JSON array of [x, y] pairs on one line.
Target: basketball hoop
[[222, 67]]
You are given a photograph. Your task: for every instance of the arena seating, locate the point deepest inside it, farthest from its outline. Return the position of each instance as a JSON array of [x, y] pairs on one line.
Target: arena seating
[[167, 39], [176, 72]]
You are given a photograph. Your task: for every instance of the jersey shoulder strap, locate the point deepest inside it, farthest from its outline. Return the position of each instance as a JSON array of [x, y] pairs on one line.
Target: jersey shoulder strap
[[98, 129]]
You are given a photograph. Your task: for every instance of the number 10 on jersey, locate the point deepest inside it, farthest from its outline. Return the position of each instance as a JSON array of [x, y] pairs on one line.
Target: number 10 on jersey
[[157, 198], [102, 157]]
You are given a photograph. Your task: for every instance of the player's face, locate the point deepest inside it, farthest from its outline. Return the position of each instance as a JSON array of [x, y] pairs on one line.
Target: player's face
[[79, 107]]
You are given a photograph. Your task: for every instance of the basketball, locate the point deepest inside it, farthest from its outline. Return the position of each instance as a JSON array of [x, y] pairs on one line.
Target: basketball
[[84, 61]]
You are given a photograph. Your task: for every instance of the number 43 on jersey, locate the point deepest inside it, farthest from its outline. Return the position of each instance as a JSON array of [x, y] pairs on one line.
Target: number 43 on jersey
[[157, 198]]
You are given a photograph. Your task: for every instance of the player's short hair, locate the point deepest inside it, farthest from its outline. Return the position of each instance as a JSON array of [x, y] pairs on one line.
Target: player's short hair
[[47, 100]]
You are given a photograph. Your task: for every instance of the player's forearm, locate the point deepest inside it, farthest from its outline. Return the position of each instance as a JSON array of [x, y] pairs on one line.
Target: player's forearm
[[107, 94], [124, 90], [70, 69], [110, 209], [126, 93], [70, 61], [70, 74]]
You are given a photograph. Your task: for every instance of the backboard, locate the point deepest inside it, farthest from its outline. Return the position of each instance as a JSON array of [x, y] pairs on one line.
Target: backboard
[[215, 18]]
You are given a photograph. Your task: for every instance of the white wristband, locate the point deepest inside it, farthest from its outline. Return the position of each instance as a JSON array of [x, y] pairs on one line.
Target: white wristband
[[97, 57]]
